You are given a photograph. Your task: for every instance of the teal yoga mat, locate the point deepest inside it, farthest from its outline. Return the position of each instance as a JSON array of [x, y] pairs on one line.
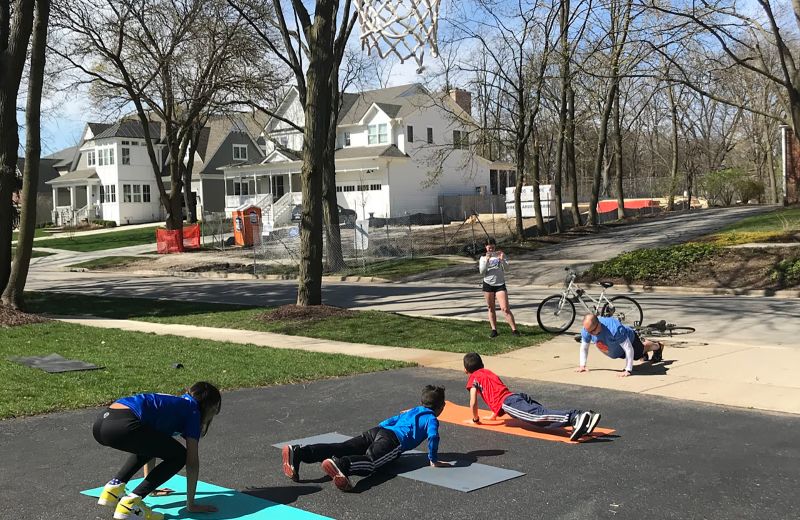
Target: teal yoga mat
[[232, 505]]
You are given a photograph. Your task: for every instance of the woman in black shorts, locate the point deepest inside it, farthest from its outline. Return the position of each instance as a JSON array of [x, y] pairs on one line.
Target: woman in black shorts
[[492, 266]]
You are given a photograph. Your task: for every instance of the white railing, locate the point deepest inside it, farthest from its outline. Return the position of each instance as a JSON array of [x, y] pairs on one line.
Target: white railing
[[261, 200], [282, 208], [69, 216]]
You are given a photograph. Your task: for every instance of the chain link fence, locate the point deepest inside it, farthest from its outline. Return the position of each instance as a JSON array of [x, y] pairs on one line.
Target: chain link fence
[[366, 245]]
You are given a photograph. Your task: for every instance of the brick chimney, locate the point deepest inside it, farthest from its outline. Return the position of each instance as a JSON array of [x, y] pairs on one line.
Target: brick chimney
[[462, 98]]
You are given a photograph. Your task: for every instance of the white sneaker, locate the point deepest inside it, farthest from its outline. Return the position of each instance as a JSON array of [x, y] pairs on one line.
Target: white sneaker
[[579, 425]]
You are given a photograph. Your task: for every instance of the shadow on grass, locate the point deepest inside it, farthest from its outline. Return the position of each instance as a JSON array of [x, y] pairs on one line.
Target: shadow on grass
[[68, 304]]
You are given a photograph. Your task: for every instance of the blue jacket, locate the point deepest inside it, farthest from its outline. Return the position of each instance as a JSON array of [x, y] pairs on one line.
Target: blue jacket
[[412, 427]]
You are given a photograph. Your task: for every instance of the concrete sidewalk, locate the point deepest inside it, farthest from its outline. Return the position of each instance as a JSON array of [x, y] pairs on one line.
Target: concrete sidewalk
[[748, 376]]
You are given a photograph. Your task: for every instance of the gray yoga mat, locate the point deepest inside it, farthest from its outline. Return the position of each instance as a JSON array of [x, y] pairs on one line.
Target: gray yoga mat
[[53, 363], [462, 476]]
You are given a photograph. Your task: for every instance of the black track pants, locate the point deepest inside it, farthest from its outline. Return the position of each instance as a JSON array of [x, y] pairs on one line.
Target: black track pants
[[122, 430], [360, 455]]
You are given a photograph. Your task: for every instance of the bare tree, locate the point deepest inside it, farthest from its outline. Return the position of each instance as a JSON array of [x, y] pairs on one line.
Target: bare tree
[[16, 25], [13, 289], [172, 61]]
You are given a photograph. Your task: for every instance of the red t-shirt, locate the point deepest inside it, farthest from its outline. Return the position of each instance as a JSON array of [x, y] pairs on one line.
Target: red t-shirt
[[491, 388]]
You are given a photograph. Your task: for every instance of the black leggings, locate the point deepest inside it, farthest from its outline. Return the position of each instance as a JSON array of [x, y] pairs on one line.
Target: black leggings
[[122, 430], [360, 455]]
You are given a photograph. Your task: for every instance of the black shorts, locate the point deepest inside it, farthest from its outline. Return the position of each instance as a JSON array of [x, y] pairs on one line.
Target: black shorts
[[494, 288], [638, 347]]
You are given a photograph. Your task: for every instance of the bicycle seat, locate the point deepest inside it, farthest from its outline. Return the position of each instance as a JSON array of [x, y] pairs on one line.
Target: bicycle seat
[[606, 285], [659, 325]]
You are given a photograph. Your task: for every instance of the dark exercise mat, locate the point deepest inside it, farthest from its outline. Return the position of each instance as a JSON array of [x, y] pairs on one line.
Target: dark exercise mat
[[53, 363]]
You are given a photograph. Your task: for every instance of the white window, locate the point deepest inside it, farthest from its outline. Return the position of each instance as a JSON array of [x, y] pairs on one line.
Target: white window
[[378, 134], [126, 193], [375, 187], [91, 158], [126, 143], [108, 193], [241, 188], [338, 189], [349, 188], [430, 135], [126, 155], [460, 140], [105, 157], [410, 134], [137, 193], [347, 138], [363, 187], [240, 152], [145, 193], [284, 141]]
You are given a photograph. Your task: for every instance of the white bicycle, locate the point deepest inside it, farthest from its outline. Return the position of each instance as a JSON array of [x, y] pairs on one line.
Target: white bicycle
[[556, 313]]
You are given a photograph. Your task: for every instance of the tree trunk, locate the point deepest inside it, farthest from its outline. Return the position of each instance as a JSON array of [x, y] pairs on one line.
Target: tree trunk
[[772, 186], [602, 138], [14, 37], [618, 157], [674, 170], [189, 201], [537, 199], [333, 233], [14, 290], [563, 24], [318, 109], [520, 156], [569, 149]]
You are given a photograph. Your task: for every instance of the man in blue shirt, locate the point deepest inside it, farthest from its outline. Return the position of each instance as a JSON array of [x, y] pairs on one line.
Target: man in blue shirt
[[616, 341], [363, 454]]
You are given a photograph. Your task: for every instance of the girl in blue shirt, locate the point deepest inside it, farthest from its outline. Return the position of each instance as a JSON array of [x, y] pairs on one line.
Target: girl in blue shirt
[[145, 425]]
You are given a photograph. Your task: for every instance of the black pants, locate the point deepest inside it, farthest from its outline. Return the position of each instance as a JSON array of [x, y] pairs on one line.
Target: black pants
[[122, 430], [360, 455]]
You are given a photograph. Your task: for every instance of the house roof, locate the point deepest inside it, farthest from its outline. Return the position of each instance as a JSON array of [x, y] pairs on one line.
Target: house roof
[[47, 172], [62, 157], [128, 128], [395, 101], [216, 130], [98, 128], [76, 176], [367, 152]]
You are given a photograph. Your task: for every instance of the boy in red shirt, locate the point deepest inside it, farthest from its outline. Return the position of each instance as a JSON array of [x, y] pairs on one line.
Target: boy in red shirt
[[520, 406]]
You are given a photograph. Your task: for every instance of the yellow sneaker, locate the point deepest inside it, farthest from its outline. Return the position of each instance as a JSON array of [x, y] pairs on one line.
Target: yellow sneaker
[[132, 508], [111, 495]]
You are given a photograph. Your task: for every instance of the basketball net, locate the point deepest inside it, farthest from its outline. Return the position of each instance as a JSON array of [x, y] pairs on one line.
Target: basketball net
[[400, 27]]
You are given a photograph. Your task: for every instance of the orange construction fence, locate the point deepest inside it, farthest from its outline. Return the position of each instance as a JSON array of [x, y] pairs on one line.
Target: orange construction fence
[[177, 241]]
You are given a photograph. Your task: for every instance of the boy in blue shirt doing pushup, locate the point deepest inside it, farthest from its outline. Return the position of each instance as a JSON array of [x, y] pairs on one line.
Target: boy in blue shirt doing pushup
[[364, 454], [145, 425]]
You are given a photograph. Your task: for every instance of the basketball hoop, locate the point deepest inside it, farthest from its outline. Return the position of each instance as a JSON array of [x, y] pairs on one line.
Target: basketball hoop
[[402, 27]]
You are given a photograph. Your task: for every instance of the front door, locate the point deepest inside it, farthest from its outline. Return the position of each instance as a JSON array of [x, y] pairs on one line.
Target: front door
[[277, 187]]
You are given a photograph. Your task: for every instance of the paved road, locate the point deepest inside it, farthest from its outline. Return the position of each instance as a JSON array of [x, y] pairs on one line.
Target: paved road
[[667, 460], [735, 319], [545, 266]]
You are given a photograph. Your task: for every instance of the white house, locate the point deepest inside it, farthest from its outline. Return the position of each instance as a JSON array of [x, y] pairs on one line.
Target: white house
[[398, 149], [109, 176]]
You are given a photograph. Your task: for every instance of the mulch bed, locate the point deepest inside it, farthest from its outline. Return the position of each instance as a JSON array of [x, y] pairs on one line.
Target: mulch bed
[[307, 313], [13, 318]]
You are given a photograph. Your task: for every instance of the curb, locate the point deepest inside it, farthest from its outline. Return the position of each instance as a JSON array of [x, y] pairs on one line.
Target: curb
[[217, 275], [702, 291], [643, 289]]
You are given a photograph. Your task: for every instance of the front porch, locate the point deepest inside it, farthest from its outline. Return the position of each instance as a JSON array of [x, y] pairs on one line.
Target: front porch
[[275, 192], [76, 198]]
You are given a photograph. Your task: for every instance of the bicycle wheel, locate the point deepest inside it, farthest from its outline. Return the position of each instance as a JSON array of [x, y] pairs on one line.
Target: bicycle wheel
[[555, 314], [625, 309], [668, 332]]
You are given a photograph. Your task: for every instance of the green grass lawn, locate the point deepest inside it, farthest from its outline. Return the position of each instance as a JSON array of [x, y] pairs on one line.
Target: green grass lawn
[[774, 226], [101, 241], [373, 327], [107, 262], [34, 253], [138, 362], [38, 232], [399, 268]]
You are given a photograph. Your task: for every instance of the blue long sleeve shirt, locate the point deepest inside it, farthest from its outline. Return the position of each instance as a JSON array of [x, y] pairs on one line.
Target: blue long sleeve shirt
[[412, 427]]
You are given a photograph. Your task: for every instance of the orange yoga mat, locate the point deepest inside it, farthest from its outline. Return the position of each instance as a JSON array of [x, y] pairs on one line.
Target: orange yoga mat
[[462, 416]]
